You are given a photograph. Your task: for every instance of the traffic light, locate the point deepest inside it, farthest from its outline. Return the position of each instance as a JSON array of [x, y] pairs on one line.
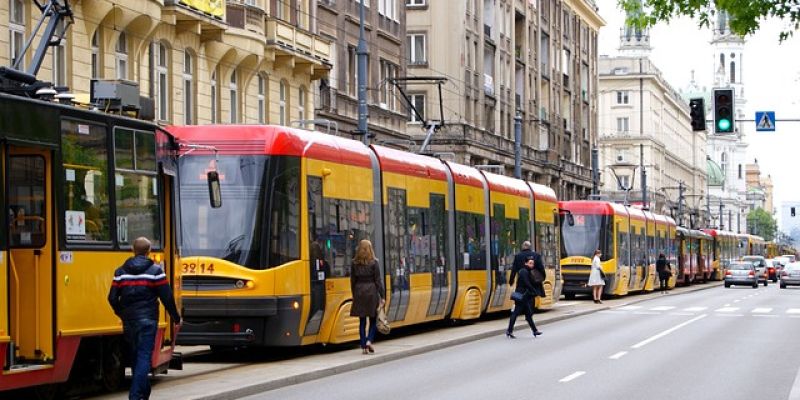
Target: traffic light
[[723, 110], [697, 111]]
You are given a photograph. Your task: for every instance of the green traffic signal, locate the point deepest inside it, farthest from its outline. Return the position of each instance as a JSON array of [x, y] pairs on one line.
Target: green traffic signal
[[724, 125]]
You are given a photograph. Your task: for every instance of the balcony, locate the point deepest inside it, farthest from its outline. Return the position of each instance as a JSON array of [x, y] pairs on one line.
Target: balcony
[[205, 17], [488, 84], [297, 47], [245, 16]]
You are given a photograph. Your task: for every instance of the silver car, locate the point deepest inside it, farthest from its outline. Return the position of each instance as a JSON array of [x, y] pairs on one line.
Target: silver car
[[741, 273], [790, 275], [760, 263]]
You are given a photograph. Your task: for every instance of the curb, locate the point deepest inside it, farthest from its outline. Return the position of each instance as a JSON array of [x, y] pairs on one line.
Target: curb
[[261, 387]]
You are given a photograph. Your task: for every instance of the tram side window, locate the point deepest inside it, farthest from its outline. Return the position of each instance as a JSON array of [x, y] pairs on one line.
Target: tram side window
[[26, 201], [317, 228], [136, 187], [624, 248], [469, 239], [284, 213], [86, 192], [419, 240], [502, 239], [438, 231]]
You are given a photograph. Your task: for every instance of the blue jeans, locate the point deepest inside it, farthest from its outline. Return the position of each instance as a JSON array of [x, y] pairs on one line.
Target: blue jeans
[[141, 337], [362, 327]]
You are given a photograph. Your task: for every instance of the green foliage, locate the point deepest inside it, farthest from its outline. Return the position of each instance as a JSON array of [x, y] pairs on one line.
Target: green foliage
[[761, 223], [745, 16]]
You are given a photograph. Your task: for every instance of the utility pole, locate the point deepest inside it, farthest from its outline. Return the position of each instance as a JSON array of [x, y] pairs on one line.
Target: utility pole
[[361, 51], [595, 172], [680, 202], [644, 177], [518, 145], [721, 223]]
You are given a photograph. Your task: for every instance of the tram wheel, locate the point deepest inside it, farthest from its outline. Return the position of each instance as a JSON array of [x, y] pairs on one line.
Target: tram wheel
[[113, 365]]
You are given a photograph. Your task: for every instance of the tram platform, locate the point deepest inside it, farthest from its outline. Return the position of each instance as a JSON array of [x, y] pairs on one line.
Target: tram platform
[[225, 377]]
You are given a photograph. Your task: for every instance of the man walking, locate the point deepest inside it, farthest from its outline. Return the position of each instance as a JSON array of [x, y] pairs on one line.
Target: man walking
[[520, 259], [138, 285]]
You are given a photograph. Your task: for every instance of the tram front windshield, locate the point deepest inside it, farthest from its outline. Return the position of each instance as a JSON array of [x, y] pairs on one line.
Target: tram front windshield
[[586, 234]]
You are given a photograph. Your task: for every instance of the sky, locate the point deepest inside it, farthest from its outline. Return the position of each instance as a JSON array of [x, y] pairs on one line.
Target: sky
[[771, 75]]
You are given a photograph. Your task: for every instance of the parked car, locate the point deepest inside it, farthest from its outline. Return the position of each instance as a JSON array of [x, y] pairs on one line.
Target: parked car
[[781, 262], [760, 263], [791, 257], [741, 273], [790, 275]]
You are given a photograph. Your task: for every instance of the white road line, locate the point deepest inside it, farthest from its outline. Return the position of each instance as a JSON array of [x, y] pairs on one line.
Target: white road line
[[572, 376], [646, 313], [761, 310], [765, 315], [736, 301], [667, 332], [662, 308], [566, 303], [795, 393], [694, 309], [727, 309], [628, 308], [684, 314], [729, 315], [618, 355], [793, 311], [727, 305]]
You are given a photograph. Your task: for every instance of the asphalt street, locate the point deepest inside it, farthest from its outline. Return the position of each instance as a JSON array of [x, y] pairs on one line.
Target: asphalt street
[[736, 343]]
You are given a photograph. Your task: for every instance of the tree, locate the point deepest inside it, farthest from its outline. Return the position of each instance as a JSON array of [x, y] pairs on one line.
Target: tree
[[744, 16], [761, 223]]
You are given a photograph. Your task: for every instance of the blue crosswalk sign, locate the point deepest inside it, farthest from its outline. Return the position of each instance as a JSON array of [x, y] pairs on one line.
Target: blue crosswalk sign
[[765, 121]]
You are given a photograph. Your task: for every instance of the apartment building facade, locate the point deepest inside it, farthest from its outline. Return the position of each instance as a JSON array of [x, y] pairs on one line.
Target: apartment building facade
[[644, 121], [337, 101], [503, 58], [200, 61]]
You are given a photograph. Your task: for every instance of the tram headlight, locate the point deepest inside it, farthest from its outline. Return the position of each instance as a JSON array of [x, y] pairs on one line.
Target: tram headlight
[[296, 305], [239, 284]]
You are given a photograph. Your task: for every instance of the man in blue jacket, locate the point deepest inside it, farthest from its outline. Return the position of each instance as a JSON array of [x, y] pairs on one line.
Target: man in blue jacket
[[138, 285]]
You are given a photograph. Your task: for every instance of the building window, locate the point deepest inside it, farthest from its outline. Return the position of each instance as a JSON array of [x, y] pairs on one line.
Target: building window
[[301, 104], [388, 8], [161, 81], [262, 102], [416, 48], [388, 71], [740, 171], [282, 104], [418, 100], [352, 71], [16, 29], [96, 53], [234, 93], [622, 125], [413, 3], [60, 57], [623, 97], [733, 72], [214, 98], [188, 88], [121, 54]]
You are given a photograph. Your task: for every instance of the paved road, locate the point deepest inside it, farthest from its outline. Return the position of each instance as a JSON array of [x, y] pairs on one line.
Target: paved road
[[737, 343]]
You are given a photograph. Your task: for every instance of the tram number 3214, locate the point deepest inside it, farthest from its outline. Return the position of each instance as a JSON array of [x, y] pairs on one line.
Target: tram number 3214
[[192, 268]]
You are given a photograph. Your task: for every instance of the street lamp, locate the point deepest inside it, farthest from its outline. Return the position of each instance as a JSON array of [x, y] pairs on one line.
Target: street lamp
[[624, 173]]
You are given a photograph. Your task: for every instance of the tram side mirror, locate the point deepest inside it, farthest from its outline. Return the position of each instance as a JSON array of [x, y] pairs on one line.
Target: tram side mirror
[[570, 220], [214, 190]]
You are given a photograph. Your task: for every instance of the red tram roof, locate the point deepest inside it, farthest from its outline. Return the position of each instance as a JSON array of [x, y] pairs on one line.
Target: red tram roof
[[464, 175], [593, 207], [273, 140], [405, 163], [636, 214], [542, 192], [508, 185]]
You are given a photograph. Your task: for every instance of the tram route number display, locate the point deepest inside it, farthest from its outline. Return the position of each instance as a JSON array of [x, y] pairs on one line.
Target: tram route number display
[[202, 268]]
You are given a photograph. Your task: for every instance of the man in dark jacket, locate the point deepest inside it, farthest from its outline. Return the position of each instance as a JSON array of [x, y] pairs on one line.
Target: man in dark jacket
[[519, 264], [663, 270], [138, 285]]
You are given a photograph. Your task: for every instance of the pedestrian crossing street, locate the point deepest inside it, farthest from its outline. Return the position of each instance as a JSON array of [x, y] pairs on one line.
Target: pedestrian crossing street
[[727, 310]]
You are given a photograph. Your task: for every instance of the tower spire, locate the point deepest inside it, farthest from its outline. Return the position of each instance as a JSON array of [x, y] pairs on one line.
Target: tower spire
[[635, 41]]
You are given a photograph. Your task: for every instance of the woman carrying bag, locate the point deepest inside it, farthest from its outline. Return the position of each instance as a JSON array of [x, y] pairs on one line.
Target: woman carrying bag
[[597, 278], [523, 299], [366, 284]]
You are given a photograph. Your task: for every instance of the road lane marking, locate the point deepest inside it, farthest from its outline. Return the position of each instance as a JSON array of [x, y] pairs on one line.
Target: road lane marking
[[667, 332], [727, 309], [566, 303], [729, 315], [694, 309], [793, 311], [795, 393], [727, 305], [618, 355], [662, 308], [685, 314], [628, 308], [736, 301], [572, 376], [765, 315], [646, 313], [761, 310]]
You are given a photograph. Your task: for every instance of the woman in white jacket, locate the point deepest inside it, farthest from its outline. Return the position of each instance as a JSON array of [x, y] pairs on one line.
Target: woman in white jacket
[[596, 281]]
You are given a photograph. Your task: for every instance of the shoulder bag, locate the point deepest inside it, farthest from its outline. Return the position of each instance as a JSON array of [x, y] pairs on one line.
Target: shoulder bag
[[383, 322], [537, 276], [517, 296]]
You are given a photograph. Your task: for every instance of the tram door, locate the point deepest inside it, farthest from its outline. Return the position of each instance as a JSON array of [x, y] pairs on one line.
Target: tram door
[[319, 268], [30, 262]]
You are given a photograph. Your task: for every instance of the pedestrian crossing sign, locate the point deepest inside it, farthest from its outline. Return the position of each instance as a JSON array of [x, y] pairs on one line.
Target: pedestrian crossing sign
[[765, 121]]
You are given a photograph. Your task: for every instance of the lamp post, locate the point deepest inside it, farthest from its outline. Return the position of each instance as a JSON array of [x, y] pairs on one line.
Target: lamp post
[[624, 173]]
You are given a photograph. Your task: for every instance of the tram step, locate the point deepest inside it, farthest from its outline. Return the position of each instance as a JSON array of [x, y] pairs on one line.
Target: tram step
[[17, 368]]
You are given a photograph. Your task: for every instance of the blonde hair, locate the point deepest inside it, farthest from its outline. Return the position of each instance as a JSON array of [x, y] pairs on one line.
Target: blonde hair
[[364, 253], [141, 246]]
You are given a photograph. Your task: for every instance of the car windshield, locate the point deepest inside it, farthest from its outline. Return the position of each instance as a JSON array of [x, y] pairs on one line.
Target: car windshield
[[740, 266]]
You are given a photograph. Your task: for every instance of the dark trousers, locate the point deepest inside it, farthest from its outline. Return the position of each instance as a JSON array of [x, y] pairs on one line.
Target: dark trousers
[[141, 337], [362, 330], [664, 280], [523, 306]]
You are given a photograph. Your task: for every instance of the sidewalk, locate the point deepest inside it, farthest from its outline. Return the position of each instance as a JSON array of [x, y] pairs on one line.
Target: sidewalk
[[233, 380]]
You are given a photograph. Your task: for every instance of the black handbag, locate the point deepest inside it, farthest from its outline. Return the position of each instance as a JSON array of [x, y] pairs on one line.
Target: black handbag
[[537, 276]]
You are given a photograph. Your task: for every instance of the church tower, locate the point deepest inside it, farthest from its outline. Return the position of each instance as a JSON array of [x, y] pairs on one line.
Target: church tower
[[728, 50], [635, 42]]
